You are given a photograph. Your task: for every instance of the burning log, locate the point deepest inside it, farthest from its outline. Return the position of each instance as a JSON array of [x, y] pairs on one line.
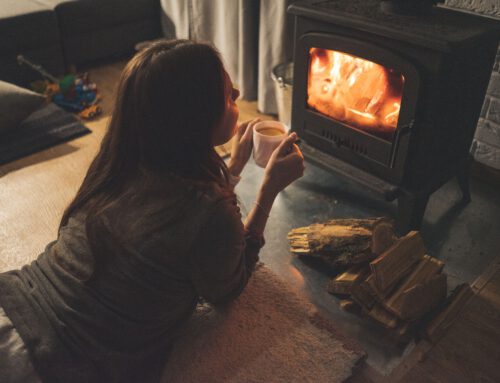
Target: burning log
[[353, 90], [343, 242]]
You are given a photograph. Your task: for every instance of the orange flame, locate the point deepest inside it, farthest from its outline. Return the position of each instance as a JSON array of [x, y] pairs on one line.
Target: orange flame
[[358, 92]]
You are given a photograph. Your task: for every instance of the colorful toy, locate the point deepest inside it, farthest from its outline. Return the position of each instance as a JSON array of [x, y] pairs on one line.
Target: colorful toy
[[75, 93]]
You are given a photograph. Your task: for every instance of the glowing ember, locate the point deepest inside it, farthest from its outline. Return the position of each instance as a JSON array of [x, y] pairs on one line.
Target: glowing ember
[[355, 91]]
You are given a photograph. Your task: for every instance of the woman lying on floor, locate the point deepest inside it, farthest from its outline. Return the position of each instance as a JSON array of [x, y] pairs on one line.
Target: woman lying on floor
[[153, 227]]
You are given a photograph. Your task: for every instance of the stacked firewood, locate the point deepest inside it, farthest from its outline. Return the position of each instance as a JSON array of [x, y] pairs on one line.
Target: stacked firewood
[[389, 279]]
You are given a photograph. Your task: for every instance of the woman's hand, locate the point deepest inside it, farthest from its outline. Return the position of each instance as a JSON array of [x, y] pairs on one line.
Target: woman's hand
[[285, 166], [242, 147]]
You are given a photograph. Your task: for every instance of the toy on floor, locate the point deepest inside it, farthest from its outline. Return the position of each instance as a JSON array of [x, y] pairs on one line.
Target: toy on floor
[[75, 93]]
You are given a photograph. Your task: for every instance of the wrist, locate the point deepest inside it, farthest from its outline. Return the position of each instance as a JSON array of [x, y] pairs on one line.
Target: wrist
[[268, 190], [235, 167], [265, 198]]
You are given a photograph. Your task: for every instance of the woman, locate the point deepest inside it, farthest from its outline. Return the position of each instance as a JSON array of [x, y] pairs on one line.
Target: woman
[[153, 227]]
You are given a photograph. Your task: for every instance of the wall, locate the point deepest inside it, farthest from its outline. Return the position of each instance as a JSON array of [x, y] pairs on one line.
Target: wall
[[486, 145]]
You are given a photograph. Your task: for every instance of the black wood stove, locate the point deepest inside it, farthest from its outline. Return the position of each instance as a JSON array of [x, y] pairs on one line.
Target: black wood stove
[[391, 100]]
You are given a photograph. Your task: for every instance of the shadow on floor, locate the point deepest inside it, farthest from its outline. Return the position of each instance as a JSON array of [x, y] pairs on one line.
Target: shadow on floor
[[57, 151]]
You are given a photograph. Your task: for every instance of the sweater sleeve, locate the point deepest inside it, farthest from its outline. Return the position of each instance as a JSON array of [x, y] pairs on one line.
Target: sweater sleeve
[[225, 255]]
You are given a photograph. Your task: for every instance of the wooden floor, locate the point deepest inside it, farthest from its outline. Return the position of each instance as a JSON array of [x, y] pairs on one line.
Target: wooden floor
[[35, 190], [470, 350]]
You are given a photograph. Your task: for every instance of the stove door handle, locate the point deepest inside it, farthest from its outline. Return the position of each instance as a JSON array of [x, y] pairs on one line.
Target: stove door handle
[[400, 132], [404, 129]]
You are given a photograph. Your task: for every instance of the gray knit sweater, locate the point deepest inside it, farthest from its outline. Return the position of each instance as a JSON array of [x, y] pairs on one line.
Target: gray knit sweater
[[120, 325]]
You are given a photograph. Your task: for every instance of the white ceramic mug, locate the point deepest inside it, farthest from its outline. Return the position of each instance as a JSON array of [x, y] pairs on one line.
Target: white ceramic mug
[[265, 144]]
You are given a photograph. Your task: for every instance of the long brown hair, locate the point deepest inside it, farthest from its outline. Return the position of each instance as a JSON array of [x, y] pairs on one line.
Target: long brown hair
[[169, 100]]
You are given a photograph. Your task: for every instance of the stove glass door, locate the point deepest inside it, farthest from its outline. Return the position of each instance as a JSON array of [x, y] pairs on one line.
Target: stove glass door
[[355, 91]]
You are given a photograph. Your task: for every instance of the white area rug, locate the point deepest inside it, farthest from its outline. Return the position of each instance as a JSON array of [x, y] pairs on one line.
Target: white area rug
[[269, 334]]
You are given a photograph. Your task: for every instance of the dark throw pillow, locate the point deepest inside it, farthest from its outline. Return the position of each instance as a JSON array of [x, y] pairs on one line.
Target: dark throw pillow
[[16, 104]]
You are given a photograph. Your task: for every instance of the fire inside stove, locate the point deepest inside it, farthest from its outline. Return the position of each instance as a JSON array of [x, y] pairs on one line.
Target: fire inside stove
[[357, 92]]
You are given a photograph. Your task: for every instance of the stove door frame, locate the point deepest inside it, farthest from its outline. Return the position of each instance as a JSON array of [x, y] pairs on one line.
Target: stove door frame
[[380, 157]]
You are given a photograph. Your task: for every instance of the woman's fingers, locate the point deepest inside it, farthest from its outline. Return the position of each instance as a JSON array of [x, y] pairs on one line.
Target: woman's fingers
[[241, 129], [296, 158], [249, 131], [295, 149], [245, 129], [287, 144]]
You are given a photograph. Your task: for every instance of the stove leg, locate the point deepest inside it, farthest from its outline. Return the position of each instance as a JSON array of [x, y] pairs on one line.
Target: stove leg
[[411, 209], [463, 182]]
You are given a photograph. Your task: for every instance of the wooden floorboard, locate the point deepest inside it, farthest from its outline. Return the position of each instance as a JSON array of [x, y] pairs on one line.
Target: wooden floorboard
[[470, 350]]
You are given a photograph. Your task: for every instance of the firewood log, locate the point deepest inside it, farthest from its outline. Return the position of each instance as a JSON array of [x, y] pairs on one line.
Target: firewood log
[[343, 283], [397, 261], [363, 296], [383, 237], [371, 285], [382, 316], [422, 298], [343, 242], [424, 271]]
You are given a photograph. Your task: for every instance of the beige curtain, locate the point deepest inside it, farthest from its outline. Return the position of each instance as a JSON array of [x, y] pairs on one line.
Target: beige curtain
[[253, 37]]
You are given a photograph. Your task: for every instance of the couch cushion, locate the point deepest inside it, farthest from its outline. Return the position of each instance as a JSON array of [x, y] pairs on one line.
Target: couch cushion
[[46, 127], [81, 16], [112, 42], [26, 24], [16, 104]]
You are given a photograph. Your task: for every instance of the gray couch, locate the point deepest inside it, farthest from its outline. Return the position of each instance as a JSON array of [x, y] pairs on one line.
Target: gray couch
[[59, 33]]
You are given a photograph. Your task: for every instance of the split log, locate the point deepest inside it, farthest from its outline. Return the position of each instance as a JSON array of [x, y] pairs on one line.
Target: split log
[[382, 316], [343, 242], [383, 236], [343, 283], [363, 296], [371, 285], [443, 320], [422, 298], [426, 269], [397, 261]]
